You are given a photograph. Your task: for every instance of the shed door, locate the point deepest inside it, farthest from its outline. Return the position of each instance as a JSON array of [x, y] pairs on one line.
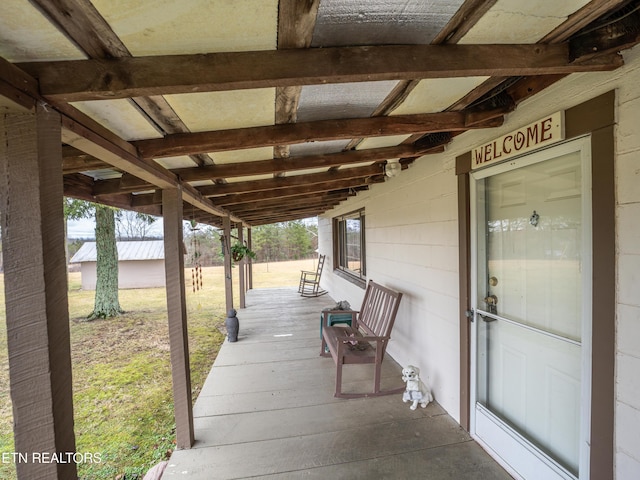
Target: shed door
[[532, 314]]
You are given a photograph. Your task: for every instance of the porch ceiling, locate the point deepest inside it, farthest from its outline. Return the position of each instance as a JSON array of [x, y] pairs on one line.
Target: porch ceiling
[[269, 110]]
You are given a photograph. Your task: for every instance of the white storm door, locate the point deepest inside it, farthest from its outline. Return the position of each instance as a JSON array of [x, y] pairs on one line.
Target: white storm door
[[532, 322]]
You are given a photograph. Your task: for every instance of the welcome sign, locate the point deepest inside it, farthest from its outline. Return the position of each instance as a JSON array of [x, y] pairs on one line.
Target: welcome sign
[[535, 135]]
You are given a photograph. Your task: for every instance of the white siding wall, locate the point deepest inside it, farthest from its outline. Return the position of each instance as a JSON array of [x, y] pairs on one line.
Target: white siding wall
[[131, 274], [412, 246], [88, 273], [628, 268]]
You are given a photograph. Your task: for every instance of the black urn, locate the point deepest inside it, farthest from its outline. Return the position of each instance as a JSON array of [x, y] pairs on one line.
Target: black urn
[[233, 325]]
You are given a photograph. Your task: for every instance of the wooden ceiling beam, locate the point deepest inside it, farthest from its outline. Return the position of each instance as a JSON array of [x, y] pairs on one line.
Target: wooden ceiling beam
[[271, 135], [228, 200], [81, 187], [120, 154], [163, 116], [574, 23], [75, 161], [261, 167], [582, 18], [276, 216], [352, 185], [297, 201], [100, 79], [296, 21], [613, 35], [265, 218], [282, 209], [17, 89], [84, 26], [193, 197], [292, 181], [81, 22], [279, 215], [463, 20], [130, 184], [288, 218]]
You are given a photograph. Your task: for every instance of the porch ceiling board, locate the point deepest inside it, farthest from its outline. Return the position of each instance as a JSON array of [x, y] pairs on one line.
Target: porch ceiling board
[[164, 76]]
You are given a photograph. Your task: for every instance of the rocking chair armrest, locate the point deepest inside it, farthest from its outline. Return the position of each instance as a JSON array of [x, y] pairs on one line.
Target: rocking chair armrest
[[305, 273]]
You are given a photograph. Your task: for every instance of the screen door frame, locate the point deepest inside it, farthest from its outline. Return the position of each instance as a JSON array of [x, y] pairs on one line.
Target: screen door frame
[[504, 434]]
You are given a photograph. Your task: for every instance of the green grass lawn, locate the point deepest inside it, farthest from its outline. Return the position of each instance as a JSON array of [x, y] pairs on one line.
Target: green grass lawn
[[123, 404]]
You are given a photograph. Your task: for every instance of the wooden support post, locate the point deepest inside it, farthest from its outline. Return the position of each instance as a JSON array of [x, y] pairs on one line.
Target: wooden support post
[[36, 291], [228, 278], [177, 314], [250, 262], [241, 270]]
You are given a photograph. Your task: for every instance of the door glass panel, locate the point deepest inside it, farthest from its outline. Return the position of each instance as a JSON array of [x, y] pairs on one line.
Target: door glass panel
[[536, 268], [530, 285]]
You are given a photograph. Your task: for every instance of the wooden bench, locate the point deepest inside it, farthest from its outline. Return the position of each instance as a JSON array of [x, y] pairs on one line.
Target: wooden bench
[[365, 341]]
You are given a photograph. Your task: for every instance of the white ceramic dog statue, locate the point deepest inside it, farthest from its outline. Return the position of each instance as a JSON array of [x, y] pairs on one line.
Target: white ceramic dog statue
[[416, 391]]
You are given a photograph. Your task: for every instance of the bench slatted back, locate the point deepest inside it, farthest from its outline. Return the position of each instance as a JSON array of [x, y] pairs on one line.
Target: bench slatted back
[[379, 309]]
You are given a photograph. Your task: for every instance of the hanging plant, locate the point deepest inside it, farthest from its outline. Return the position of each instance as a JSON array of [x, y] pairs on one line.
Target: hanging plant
[[239, 251]]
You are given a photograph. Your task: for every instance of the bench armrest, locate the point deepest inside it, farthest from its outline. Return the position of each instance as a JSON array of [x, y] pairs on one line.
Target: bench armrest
[[353, 313], [362, 339], [346, 339]]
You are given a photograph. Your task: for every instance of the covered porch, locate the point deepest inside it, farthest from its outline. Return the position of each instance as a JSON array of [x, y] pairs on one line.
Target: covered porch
[[267, 410]]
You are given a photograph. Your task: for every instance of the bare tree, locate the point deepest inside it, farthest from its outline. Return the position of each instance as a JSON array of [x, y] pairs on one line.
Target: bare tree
[[133, 225]]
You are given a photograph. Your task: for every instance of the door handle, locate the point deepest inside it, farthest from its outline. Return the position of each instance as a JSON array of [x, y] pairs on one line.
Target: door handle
[[491, 300], [492, 303]]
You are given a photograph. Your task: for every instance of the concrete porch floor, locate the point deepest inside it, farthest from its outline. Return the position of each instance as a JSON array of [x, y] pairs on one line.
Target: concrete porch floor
[[267, 410]]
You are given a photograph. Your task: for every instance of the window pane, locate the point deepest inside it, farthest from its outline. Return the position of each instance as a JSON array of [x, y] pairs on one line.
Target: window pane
[[350, 243], [354, 250]]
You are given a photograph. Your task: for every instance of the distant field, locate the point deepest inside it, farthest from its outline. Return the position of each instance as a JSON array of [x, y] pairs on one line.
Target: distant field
[[121, 372]]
